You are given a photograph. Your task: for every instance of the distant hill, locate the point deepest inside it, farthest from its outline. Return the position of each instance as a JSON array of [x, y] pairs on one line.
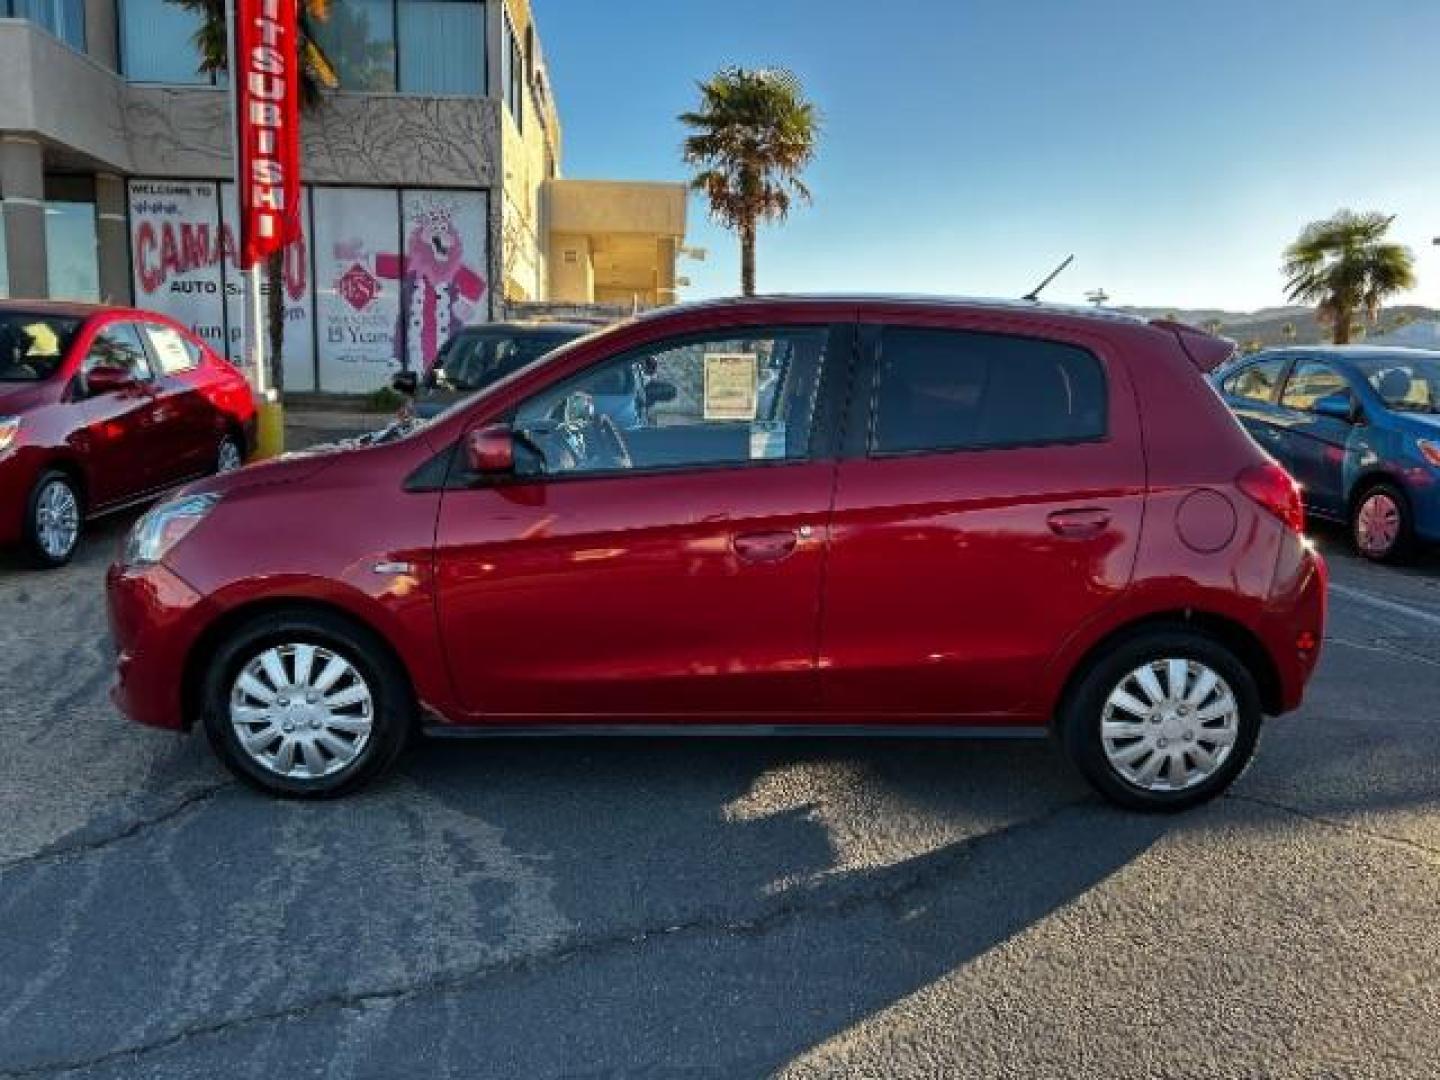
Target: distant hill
[[1267, 326]]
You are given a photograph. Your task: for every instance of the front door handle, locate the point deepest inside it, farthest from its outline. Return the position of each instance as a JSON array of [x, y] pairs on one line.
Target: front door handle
[[765, 546], [1079, 523]]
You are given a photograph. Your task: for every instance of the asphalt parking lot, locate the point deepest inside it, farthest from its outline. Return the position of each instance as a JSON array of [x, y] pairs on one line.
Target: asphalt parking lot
[[654, 908]]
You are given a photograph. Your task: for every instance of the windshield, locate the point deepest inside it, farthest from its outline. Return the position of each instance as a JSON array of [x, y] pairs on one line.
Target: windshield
[[1411, 384], [32, 345], [474, 360]]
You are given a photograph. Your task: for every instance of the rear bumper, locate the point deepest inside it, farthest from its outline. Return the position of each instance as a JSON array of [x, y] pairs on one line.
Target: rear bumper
[[1293, 625], [155, 620]]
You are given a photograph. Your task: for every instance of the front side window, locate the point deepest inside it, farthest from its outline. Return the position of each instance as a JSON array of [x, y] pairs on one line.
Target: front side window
[[118, 346], [32, 346], [1257, 382], [741, 398], [953, 390], [1311, 381]]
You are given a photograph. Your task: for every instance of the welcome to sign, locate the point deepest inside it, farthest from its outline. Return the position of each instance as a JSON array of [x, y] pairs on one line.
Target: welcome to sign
[[268, 114]]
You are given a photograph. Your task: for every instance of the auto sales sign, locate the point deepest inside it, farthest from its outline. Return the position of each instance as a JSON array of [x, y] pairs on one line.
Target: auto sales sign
[[268, 110]]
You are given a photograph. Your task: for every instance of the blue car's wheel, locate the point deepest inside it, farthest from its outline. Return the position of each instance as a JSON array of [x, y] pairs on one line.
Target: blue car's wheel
[[1380, 523]]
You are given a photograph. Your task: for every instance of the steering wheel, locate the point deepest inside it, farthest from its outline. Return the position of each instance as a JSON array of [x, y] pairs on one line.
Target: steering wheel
[[616, 449], [591, 438]]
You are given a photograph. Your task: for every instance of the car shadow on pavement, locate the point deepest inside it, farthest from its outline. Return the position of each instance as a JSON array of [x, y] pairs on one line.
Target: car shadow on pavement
[[535, 908]]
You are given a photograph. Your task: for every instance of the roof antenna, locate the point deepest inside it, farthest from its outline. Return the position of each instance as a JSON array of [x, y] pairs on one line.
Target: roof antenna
[[1034, 294]]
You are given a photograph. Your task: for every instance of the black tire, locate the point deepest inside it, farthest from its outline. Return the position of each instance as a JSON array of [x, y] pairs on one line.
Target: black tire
[[1404, 537], [1083, 710], [35, 548], [394, 708]]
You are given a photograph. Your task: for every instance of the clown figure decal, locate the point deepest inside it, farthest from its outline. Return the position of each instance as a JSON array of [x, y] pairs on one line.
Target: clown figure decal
[[443, 285]]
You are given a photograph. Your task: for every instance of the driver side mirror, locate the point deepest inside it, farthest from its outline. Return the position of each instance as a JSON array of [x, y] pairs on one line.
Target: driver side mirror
[[405, 382], [490, 450], [103, 379], [658, 393], [1342, 407]]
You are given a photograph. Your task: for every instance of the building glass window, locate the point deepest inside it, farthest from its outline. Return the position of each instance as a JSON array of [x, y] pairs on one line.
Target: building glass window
[[63, 18], [72, 263], [442, 47], [359, 39], [157, 43]]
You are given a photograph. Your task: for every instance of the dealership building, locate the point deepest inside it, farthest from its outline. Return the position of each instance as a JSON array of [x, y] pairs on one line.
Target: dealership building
[[433, 195]]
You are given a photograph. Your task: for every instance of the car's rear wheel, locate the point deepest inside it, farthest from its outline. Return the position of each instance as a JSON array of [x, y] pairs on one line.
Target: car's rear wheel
[[53, 517], [1380, 524], [1163, 720], [306, 704]]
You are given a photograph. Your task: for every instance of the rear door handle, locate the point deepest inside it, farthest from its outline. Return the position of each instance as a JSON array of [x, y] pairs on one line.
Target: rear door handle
[[1080, 523], [765, 546]]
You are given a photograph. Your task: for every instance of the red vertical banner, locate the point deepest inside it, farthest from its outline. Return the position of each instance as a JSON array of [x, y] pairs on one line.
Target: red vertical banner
[[268, 114]]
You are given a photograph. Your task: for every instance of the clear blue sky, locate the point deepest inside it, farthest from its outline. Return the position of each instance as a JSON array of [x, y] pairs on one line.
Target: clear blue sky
[[1174, 147]]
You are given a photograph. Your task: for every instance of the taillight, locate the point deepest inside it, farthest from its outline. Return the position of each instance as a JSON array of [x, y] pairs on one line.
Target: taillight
[[1275, 490]]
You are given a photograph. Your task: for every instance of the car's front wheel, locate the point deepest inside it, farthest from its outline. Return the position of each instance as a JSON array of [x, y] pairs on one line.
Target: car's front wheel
[[306, 704], [1163, 720], [53, 517]]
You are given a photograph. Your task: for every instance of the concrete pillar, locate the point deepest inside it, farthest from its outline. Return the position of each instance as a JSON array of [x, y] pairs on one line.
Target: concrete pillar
[[665, 270], [101, 33], [112, 238], [22, 188]]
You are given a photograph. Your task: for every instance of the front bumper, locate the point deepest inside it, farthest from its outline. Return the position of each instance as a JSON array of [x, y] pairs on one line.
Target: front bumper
[[155, 620]]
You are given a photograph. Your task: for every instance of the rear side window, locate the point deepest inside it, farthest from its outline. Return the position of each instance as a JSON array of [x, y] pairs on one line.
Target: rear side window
[[118, 346], [1257, 381], [957, 390], [172, 350]]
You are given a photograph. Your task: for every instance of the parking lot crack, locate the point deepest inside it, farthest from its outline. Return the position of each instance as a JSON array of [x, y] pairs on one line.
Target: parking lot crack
[[67, 852], [829, 900], [1339, 825]]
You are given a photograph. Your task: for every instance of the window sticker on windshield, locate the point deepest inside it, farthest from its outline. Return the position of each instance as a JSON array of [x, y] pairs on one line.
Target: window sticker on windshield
[[731, 382], [767, 440]]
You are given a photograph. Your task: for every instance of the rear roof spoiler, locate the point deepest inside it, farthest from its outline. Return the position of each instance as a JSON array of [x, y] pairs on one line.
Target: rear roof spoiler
[[1206, 351]]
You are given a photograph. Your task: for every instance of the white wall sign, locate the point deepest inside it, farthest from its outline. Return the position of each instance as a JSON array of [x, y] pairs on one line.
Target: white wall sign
[[357, 286], [445, 269], [176, 246]]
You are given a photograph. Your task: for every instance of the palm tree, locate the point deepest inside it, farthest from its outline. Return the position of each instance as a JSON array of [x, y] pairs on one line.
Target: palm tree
[[1346, 268], [317, 74], [754, 134]]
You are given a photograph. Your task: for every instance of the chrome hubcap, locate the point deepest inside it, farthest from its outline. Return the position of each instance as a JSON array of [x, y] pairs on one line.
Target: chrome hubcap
[[228, 459], [1169, 725], [1377, 526], [57, 519], [301, 711]]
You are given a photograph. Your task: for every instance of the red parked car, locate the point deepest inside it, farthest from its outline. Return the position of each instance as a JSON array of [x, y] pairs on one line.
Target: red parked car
[[884, 516], [102, 407]]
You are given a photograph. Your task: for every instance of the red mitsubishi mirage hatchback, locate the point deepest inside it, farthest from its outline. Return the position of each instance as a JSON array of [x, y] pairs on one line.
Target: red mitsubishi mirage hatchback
[[891, 516], [101, 407]]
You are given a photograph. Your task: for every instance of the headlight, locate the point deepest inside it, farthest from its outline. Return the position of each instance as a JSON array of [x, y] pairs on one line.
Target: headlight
[[9, 432], [165, 526], [1430, 451]]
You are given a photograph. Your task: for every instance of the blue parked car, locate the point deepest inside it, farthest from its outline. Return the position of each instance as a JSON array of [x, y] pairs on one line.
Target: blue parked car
[[1358, 427]]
